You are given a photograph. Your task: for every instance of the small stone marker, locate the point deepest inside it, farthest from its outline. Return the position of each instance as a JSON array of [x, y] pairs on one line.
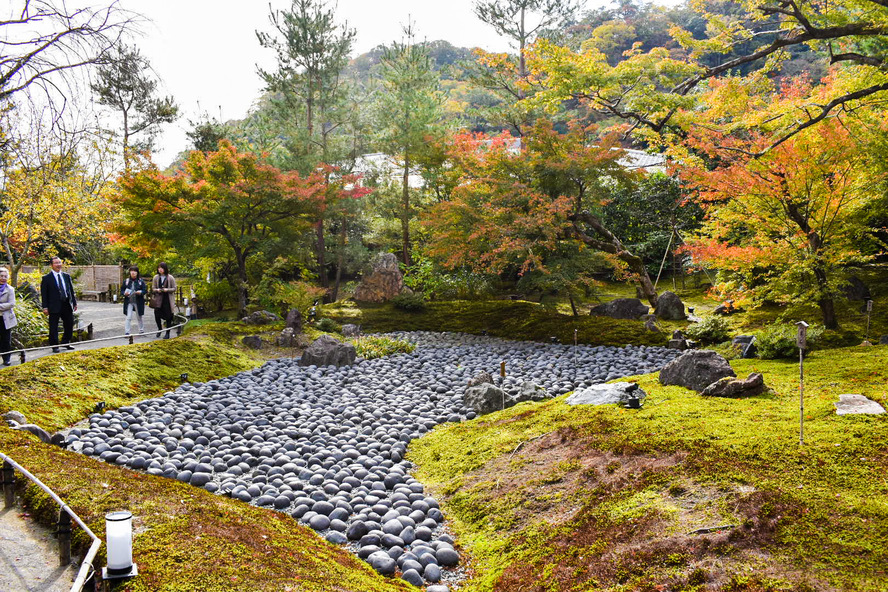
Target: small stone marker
[[857, 405]]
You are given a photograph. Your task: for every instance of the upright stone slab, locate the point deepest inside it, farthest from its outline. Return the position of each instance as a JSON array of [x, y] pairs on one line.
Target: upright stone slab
[[383, 283], [670, 307]]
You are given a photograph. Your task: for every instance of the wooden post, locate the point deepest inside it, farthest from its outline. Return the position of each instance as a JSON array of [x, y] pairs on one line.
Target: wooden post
[[8, 484], [64, 534]]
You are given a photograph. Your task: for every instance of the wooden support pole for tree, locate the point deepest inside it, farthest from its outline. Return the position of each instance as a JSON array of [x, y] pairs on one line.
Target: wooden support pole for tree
[[8, 485], [64, 534]]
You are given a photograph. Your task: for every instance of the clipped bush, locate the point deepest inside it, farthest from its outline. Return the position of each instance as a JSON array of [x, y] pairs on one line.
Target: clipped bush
[[778, 342], [409, 302], [328, 325], [31, 324], [377, 346], [712, 329], [215, 295]]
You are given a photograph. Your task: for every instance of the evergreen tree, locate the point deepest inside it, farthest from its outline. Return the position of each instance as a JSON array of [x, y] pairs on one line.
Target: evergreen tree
[[125, 85], [408, 110]]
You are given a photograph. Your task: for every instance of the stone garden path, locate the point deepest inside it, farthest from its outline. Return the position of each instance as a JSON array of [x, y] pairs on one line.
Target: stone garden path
[[29, 560]]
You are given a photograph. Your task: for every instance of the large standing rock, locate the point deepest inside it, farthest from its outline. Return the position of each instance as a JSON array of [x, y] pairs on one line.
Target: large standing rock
[[485, 398], [260, 317], [481, 378], [670, 307], [327, 351], [351, 330], [621, 308], [252, 341], [287, 338], [606, 394], [696, 369], [384, 282], [294, 321], [733, 388]]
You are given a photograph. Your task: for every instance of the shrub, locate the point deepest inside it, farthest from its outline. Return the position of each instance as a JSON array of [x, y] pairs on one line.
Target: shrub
[[31, 324], [778, 342], [461, 284], [215, 295], [409, 302], [712, 329], [328, 325], [377, 346]]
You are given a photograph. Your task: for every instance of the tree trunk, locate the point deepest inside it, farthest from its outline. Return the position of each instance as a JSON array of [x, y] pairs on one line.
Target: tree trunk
[[405, 211], [522, 62], [126, 154], [242, 294], [826, 301], [343, 236], [611, 244], [573, 306], [322, 259]]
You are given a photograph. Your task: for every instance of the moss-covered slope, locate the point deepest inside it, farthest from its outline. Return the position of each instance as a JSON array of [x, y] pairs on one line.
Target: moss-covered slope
[[499, 318], [547, 497]]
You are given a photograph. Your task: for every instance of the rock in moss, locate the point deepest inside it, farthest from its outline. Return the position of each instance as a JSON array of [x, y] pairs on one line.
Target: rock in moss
[[696, 369], [733, 388]]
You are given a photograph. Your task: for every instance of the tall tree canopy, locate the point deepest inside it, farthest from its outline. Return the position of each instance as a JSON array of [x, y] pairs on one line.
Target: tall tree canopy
[[126, 85], [225, 204]]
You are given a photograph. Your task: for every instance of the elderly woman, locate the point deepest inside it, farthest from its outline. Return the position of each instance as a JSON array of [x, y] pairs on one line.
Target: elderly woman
[[7, 316]]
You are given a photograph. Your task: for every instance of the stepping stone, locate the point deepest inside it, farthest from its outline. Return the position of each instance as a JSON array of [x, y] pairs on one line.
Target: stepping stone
[[857, 405]]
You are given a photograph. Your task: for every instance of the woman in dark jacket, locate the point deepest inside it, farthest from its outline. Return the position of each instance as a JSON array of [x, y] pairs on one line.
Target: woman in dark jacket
[[134, 289], [164, 285]]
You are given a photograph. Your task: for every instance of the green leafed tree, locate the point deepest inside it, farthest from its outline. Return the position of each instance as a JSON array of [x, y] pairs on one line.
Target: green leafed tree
[[126, 85], [309, 91], [408, 110]]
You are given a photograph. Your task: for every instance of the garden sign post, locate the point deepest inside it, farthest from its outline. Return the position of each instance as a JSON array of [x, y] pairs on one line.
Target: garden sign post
[[869, 310], [801, 342]]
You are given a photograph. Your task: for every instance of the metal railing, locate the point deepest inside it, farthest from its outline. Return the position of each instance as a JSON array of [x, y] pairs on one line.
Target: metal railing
[[66, 514], [22, 353]]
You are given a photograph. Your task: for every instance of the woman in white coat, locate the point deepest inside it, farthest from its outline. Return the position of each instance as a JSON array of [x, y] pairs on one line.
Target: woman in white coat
[[7, 316]]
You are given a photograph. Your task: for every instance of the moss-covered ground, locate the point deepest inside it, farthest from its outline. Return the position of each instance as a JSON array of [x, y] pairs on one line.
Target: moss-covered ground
[[547, 497], [186, 539], [499, 318]]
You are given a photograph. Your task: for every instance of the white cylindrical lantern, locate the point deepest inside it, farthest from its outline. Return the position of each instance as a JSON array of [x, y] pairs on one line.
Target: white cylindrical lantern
[[119, 538], [114, 296]]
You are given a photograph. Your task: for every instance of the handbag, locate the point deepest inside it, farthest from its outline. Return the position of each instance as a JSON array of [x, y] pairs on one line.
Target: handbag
[[156, 300]]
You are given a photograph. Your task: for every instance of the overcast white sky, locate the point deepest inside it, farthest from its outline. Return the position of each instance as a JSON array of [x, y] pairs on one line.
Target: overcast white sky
[[206, 51]]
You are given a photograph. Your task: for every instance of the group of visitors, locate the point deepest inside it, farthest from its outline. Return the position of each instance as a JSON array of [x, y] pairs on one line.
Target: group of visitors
[[59, 303], [163, 290]]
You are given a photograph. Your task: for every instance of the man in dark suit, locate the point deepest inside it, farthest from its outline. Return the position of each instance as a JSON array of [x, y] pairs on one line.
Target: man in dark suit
[[59, 302]]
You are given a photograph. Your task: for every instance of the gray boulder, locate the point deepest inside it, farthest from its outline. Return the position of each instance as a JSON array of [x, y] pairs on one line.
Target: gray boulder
[[481, 378], [287, 338], [746, 345], [485, 398], [617, 393], [15, 416], [621, 308], [528, 391], [260, 317], [670, 307], [857, 405], [350, 330], [696, 369], [328, 351], [650, 323], [252, 341], [883, 340], [294, 321], [36, 430], [383, 283], [733, 388]]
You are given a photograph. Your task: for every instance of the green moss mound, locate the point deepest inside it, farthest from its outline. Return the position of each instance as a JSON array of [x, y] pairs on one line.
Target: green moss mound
[[685, 494], [499, 318]]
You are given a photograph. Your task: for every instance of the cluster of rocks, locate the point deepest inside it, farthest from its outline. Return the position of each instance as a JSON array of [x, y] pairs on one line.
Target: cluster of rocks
[[669, 308], [326, 444], [711, 375]]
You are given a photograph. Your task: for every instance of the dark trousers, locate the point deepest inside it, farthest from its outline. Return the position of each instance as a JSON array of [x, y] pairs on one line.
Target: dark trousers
[[5, 340], [159, 316], [67, 316]]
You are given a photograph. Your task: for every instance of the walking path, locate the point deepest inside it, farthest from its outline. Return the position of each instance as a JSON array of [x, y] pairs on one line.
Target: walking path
[[108, 321], [29, 560]]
